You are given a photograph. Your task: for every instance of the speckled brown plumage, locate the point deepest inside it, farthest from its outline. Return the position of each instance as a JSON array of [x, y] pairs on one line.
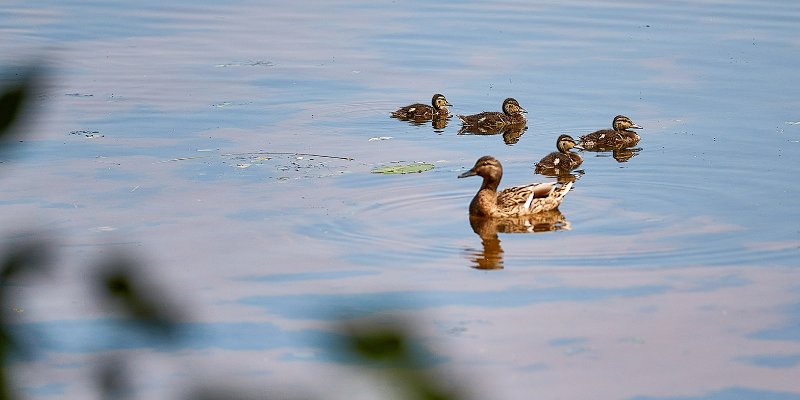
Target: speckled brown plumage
[[514, 201], [561, 161], [611, 139], [422, 112], [492, 121]]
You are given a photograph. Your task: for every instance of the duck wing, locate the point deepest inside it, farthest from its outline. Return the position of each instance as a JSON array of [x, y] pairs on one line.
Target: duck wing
[[533, 198], [417, 110], [486, 119]]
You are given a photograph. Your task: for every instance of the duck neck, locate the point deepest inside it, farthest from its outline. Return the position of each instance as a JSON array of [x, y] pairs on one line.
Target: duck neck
[[490, 184], [483, 203], [629, 134]]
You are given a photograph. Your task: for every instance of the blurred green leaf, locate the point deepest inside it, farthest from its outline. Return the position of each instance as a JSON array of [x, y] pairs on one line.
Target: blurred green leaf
[[380, 345], [138, 300]]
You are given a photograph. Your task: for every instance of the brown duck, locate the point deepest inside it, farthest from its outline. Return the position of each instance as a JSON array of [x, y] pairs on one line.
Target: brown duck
[[514, 201], [493, 120], [561, 161], [419, 111], [611, 139]]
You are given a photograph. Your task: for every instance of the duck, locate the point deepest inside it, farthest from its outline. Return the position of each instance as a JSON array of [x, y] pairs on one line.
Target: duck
[[610, 139], [515, 201], [562, 160], [493, 120], [419, 111]]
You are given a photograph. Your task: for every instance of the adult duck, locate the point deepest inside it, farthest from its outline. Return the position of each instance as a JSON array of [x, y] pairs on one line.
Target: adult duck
[[515, 201]]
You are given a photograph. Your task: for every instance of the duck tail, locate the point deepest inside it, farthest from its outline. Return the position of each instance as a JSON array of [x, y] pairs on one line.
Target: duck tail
[[563, 190]]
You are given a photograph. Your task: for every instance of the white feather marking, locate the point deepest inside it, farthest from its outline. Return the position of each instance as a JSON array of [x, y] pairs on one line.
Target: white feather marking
[[567, 187], [482, 119], [602, 136], [412, 109], [528, 202], [558, 160]]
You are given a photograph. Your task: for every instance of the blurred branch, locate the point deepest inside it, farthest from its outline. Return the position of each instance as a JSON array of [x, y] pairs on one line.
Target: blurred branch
[[13, 98], [27, 258]]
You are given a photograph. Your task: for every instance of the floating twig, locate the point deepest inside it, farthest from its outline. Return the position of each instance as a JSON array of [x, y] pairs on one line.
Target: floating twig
[[289, 154]]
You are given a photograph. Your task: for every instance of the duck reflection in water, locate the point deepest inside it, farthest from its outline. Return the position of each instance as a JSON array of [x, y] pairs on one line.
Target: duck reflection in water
[[623, 155], [487, 228], [510, 133], [438, 122]]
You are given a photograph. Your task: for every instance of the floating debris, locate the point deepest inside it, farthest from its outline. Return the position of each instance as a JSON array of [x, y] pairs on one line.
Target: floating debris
[[87, 134], [380, 138], [226, 104], [258, 63], [404, 169], [78, 95], [183, 158], [287, 154]]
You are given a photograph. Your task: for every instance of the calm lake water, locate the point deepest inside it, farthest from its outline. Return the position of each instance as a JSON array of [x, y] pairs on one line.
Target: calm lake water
[[230, 145]]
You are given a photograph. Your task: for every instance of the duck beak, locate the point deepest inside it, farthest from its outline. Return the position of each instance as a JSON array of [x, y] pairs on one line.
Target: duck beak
[[579, 147], [522, 110], [447, 103], [468, 174], [634, 126]]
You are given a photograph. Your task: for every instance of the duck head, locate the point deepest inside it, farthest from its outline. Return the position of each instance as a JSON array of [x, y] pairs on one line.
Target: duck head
[[438, 101], [565, 142], [512, 107], [486, 167], [622, 123]]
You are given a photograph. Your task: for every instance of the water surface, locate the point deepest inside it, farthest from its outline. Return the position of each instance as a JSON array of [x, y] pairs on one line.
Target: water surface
[[230, 145]]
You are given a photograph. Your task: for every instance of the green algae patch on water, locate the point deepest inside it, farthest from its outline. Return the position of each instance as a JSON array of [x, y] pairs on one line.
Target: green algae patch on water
[[403, 169]]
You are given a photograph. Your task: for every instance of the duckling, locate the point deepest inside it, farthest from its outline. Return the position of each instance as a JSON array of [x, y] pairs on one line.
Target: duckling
[[419, 111], [562, 160], [609, 139], [514, 201], [492, 120]]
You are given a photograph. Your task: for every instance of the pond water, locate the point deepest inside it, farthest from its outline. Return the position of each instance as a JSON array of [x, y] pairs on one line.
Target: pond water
[[230, 145]]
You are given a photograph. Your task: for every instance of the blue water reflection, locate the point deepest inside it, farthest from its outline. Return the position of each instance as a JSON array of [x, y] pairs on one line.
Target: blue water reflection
[[321, 307], [234, 149]]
